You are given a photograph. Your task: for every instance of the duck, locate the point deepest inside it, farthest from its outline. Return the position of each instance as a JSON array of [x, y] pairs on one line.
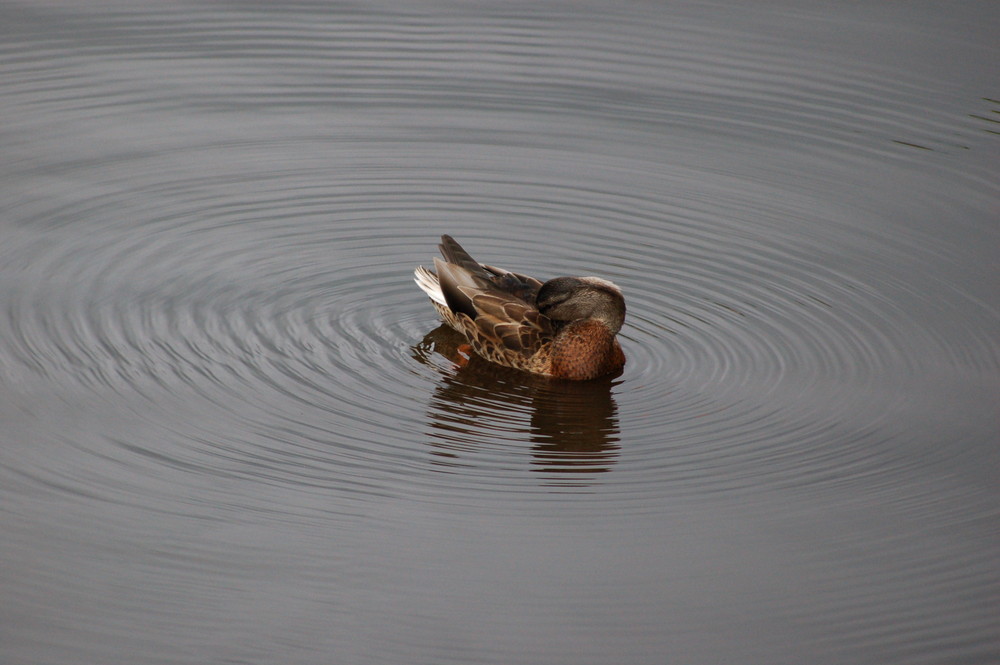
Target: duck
[[564, 328]]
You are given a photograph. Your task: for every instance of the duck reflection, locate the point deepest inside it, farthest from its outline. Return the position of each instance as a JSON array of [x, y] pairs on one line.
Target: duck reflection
[[573, 425]]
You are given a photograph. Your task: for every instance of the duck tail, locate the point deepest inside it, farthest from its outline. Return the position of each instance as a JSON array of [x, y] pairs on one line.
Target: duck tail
[[429, 284], [456, 254]]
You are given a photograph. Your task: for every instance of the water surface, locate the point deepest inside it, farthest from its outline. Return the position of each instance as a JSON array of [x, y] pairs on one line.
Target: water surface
[[232, 431]]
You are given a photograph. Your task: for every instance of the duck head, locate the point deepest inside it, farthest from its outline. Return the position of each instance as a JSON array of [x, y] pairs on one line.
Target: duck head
[[566, 299]]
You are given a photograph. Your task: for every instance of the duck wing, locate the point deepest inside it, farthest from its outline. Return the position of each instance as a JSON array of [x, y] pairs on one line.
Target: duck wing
[[503, 325], [522, 286], [495, 320], [455, 254]]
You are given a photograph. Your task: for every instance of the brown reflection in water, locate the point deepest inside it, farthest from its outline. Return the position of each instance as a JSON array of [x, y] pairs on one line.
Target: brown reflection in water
[[573, 425]]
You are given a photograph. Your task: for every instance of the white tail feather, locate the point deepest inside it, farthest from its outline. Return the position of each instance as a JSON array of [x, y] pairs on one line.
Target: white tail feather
[[429, 284]]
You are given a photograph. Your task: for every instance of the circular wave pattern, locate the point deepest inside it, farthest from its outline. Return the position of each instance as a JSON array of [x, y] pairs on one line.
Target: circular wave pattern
[[317, 332], [270, 278], [231, 420]]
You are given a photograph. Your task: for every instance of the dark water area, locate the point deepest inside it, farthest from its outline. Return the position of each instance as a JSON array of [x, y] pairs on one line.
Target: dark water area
[[232, 430]]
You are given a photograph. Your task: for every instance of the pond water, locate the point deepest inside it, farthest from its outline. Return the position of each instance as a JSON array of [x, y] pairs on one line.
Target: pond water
[[231, 428]]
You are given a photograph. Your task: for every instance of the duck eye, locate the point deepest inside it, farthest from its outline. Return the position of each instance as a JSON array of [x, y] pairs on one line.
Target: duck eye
[[552, 299]]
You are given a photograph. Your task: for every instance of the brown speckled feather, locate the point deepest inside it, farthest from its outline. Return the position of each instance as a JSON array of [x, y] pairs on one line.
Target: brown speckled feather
[[506, 330], [497, 311]]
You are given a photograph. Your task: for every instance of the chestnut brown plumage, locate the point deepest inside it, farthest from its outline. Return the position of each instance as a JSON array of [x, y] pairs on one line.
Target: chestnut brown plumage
[[564, 328]]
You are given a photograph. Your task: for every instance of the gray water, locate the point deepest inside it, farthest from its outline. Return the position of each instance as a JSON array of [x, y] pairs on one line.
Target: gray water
[[232, 431]]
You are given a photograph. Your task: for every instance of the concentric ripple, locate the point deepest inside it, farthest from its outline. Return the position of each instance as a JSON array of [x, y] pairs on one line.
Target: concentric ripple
[[209, 333], [297, 325]]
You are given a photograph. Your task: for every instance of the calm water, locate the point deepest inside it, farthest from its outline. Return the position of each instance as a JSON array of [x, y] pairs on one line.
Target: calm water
[[231, 432]]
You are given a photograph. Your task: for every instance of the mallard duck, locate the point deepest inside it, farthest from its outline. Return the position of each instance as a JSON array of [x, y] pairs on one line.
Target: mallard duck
[[564, 328]]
